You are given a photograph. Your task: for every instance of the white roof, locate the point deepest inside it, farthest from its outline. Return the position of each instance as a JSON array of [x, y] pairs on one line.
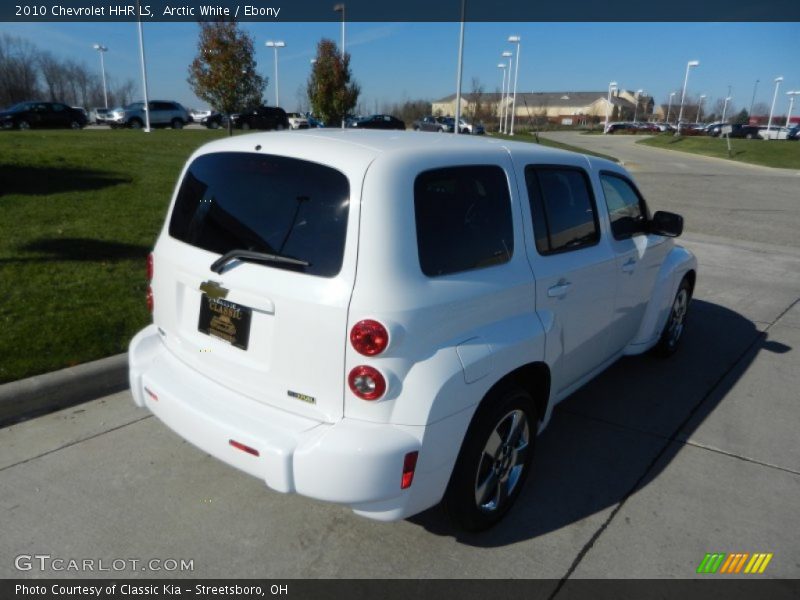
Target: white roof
[[352, 150]]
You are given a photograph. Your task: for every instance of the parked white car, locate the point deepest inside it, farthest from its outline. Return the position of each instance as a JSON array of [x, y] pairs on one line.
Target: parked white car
[[297, 121], [385, 320], [773, 133]]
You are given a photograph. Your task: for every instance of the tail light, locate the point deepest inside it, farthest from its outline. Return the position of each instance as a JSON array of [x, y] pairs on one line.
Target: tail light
[[369, 337], [409, 465], [367, 382], [149, 292]]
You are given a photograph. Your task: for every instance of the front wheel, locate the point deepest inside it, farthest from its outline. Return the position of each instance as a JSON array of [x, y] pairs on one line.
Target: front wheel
[[245, 126], [136, 124], [23, 125], [177, 124], [494, 461], [673, 331]]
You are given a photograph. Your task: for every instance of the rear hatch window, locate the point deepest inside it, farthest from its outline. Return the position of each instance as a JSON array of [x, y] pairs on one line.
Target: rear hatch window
[[265, 203]]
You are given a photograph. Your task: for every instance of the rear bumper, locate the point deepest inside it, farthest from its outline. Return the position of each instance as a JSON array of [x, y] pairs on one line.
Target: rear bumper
[[350, 462]]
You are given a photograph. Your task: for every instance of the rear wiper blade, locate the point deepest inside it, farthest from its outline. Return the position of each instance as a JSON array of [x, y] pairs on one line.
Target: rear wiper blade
[[223, 260]]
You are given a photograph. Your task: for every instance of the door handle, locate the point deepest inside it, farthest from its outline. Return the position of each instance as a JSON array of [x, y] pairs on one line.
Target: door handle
[[629, 265], [560, 289]]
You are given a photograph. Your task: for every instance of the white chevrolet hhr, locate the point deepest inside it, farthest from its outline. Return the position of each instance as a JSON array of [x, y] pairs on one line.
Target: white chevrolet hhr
[[385, 320]]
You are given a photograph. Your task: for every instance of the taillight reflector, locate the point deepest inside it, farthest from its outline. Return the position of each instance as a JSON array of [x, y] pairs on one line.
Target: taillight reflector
[[369, 337], [151, 394], [409, 464], [366, 382], [243, 447]]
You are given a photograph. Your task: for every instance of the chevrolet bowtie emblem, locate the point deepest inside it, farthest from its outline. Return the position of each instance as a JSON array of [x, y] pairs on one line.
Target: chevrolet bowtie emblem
[[212, 289]]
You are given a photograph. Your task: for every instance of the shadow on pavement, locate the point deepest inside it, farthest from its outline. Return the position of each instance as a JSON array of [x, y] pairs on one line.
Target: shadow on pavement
[[43, 181], [604, 441]]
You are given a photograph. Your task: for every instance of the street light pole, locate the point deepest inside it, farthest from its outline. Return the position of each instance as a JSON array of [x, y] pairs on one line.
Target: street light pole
[[340, 8], [725, 108], [689, 65], [500, 104], [669, 105], [636, 106], [144, 70], [507, 91], [457, 125], [611, 86], [514, 39], [275, 46], [791, 95], [102, 50], [772, 110], [699, 108]]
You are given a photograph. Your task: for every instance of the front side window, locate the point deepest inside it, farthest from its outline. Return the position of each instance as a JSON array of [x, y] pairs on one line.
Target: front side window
[[625, 208], [271, 204], [562, 209], [463, 219]]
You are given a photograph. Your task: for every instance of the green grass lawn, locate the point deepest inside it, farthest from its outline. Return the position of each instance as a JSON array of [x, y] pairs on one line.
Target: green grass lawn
[[530, 138], [80, 212], [773, 153]]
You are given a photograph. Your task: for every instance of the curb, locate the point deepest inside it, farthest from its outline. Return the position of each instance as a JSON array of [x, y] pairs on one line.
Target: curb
[[51, 391]]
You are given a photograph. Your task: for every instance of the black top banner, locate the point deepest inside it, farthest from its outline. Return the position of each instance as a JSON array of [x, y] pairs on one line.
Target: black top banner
[[400, 11]]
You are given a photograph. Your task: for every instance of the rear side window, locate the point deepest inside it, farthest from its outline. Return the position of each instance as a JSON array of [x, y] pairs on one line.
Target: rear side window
[[562, 208], [273, 204], [463, 219]]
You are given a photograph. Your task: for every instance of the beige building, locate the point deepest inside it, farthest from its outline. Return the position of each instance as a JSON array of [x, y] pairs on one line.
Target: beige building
[[563, 108]]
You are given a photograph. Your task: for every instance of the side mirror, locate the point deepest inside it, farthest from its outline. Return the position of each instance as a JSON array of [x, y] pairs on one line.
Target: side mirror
[[666, 223]]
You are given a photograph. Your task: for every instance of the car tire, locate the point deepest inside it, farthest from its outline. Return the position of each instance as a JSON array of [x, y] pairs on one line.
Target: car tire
[[177, 124], [674, 328], [245, 126], [213, 125], [279, 127], [75, 125], [494, 460], [135, 124], [749, 136], [23, 125]]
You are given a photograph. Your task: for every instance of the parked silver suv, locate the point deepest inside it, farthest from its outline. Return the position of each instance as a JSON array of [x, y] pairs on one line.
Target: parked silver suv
[[162, 114]]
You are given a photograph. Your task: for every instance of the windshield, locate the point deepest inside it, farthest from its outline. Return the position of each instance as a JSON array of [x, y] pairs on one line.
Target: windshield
[[20, 107], [264, 203], [135, 106]]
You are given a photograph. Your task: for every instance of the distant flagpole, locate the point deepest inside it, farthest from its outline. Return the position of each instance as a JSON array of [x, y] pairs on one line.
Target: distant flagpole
[[144, 69]]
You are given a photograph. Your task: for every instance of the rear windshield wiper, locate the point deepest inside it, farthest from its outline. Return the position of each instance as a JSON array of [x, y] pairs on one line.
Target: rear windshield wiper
[[250, 255]]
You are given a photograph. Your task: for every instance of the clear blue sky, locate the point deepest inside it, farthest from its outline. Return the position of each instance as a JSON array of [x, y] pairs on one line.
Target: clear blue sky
[[398, 61]]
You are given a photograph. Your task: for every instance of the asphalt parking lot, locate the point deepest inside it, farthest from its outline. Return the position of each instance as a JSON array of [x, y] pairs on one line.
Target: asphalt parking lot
[[642, 472]]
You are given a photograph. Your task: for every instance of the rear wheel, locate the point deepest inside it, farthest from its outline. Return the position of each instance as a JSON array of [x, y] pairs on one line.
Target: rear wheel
[[494, 461], [749, 136], [213, 125], [136, 124], [177, 124], [279, 127], [672, 334], [75, 125], [23, 125], [245, 125]]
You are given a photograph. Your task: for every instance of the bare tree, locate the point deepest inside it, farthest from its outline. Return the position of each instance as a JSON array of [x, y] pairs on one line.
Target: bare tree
[[19, 76]]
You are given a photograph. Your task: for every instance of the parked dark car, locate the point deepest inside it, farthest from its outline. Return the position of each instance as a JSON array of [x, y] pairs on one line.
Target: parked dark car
[[794, 133], [27, 115], [621, 128], [431, 123], [749, 132], [378, 122], [261, 117], [214, 121]]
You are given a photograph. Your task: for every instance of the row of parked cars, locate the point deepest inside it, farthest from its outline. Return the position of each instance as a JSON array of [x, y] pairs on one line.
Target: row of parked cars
[[750, 132]]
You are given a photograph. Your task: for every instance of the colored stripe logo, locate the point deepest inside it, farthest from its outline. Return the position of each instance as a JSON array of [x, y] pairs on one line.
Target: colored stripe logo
[[734, 563]]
